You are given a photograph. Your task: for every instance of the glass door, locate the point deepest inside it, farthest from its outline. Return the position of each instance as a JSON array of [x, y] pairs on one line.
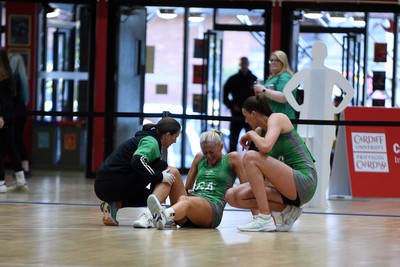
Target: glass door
[[212, 68]]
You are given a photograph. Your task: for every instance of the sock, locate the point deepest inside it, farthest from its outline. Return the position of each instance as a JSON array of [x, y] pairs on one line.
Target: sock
[[20, 177], [170, 213], [265, 216]]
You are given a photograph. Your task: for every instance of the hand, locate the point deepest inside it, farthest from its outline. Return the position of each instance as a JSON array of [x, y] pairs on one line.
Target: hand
[[1, 122], [258, 88], [168, 178], [245, 142]]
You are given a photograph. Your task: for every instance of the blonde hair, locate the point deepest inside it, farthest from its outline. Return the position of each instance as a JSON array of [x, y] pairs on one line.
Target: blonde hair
[[285, 62], [212, 136]]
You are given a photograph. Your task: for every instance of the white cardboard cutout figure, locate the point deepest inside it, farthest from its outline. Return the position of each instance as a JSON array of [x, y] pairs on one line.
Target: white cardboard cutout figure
[[318, 82]]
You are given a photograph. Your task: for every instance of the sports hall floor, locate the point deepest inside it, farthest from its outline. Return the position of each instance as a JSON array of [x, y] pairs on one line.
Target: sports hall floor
[[58, 223]]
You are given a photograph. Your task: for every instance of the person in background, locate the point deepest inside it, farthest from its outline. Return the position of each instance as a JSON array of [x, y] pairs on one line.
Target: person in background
[[21, 101], [236, 90], [210, 175], [7, 117], [281, 73], [123, 178], [282, 176]]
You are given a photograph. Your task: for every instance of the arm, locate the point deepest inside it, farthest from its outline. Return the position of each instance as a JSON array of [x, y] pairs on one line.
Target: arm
[[271, 94], [292, 84], [348, 91], [276, 94], [147, 152], [192, 174], [23, 80], [277, 123]]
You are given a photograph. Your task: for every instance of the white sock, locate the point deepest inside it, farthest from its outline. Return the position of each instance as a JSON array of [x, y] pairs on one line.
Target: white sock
[[20, 177], [265, 216], [170, 213]]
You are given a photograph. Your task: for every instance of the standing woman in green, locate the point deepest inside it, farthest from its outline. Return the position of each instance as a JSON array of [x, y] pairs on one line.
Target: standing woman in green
[[273, 86]]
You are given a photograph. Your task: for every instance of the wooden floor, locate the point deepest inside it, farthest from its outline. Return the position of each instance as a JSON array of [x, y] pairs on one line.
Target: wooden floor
[[58, 223]]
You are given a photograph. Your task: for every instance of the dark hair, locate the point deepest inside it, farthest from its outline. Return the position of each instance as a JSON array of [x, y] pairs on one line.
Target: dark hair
[[258, 103], [165, 125]]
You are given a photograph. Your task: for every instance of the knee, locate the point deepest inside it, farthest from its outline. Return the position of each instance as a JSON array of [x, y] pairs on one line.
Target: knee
[[183, 198], [175, 172], [231, 196], [249, 157]]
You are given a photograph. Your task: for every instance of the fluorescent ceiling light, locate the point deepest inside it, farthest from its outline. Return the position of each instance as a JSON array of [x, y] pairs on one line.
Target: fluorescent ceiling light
[[336, 17], [196, 17], [313, 15], [53, 14], [166, 13], [357, 21]]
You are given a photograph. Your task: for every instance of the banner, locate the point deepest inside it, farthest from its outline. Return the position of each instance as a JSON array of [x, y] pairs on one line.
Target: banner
[[373, 153]]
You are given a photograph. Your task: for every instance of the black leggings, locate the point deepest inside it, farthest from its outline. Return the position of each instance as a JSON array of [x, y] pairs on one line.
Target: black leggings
[[7, 145], [129, 188]]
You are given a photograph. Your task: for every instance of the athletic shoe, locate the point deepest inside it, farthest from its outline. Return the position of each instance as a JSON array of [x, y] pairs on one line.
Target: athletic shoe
[[144, 221], [109, 213], [18, 188], [259, 224], [22, 187], [3, 187], [157, 212], [289, 218]]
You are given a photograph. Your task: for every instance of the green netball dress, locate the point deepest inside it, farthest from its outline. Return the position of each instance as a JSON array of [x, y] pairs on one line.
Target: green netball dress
[[291, 149], [213, 181]]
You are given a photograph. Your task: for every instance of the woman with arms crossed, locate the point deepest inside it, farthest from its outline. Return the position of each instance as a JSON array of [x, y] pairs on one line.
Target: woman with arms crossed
[[281, 173], [210, 175]]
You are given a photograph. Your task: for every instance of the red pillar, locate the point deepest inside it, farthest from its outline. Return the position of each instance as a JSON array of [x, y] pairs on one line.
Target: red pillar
[[100, 82], [276, 26]]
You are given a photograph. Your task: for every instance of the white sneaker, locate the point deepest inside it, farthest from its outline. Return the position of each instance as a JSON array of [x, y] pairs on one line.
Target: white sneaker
[[3, 187], [18, 188], [144, 221], [289, 218], [157, 212], [259, 224]]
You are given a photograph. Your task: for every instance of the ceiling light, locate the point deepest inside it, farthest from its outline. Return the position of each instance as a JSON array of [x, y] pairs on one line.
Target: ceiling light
[[313, 15], [166, 13], [55, 13], [336, 17], [357, 21], [196, 17]]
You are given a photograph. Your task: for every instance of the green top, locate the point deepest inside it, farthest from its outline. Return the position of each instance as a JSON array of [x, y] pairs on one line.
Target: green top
[[148, 148], [213, 181], [279, 82], [291, 149]]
